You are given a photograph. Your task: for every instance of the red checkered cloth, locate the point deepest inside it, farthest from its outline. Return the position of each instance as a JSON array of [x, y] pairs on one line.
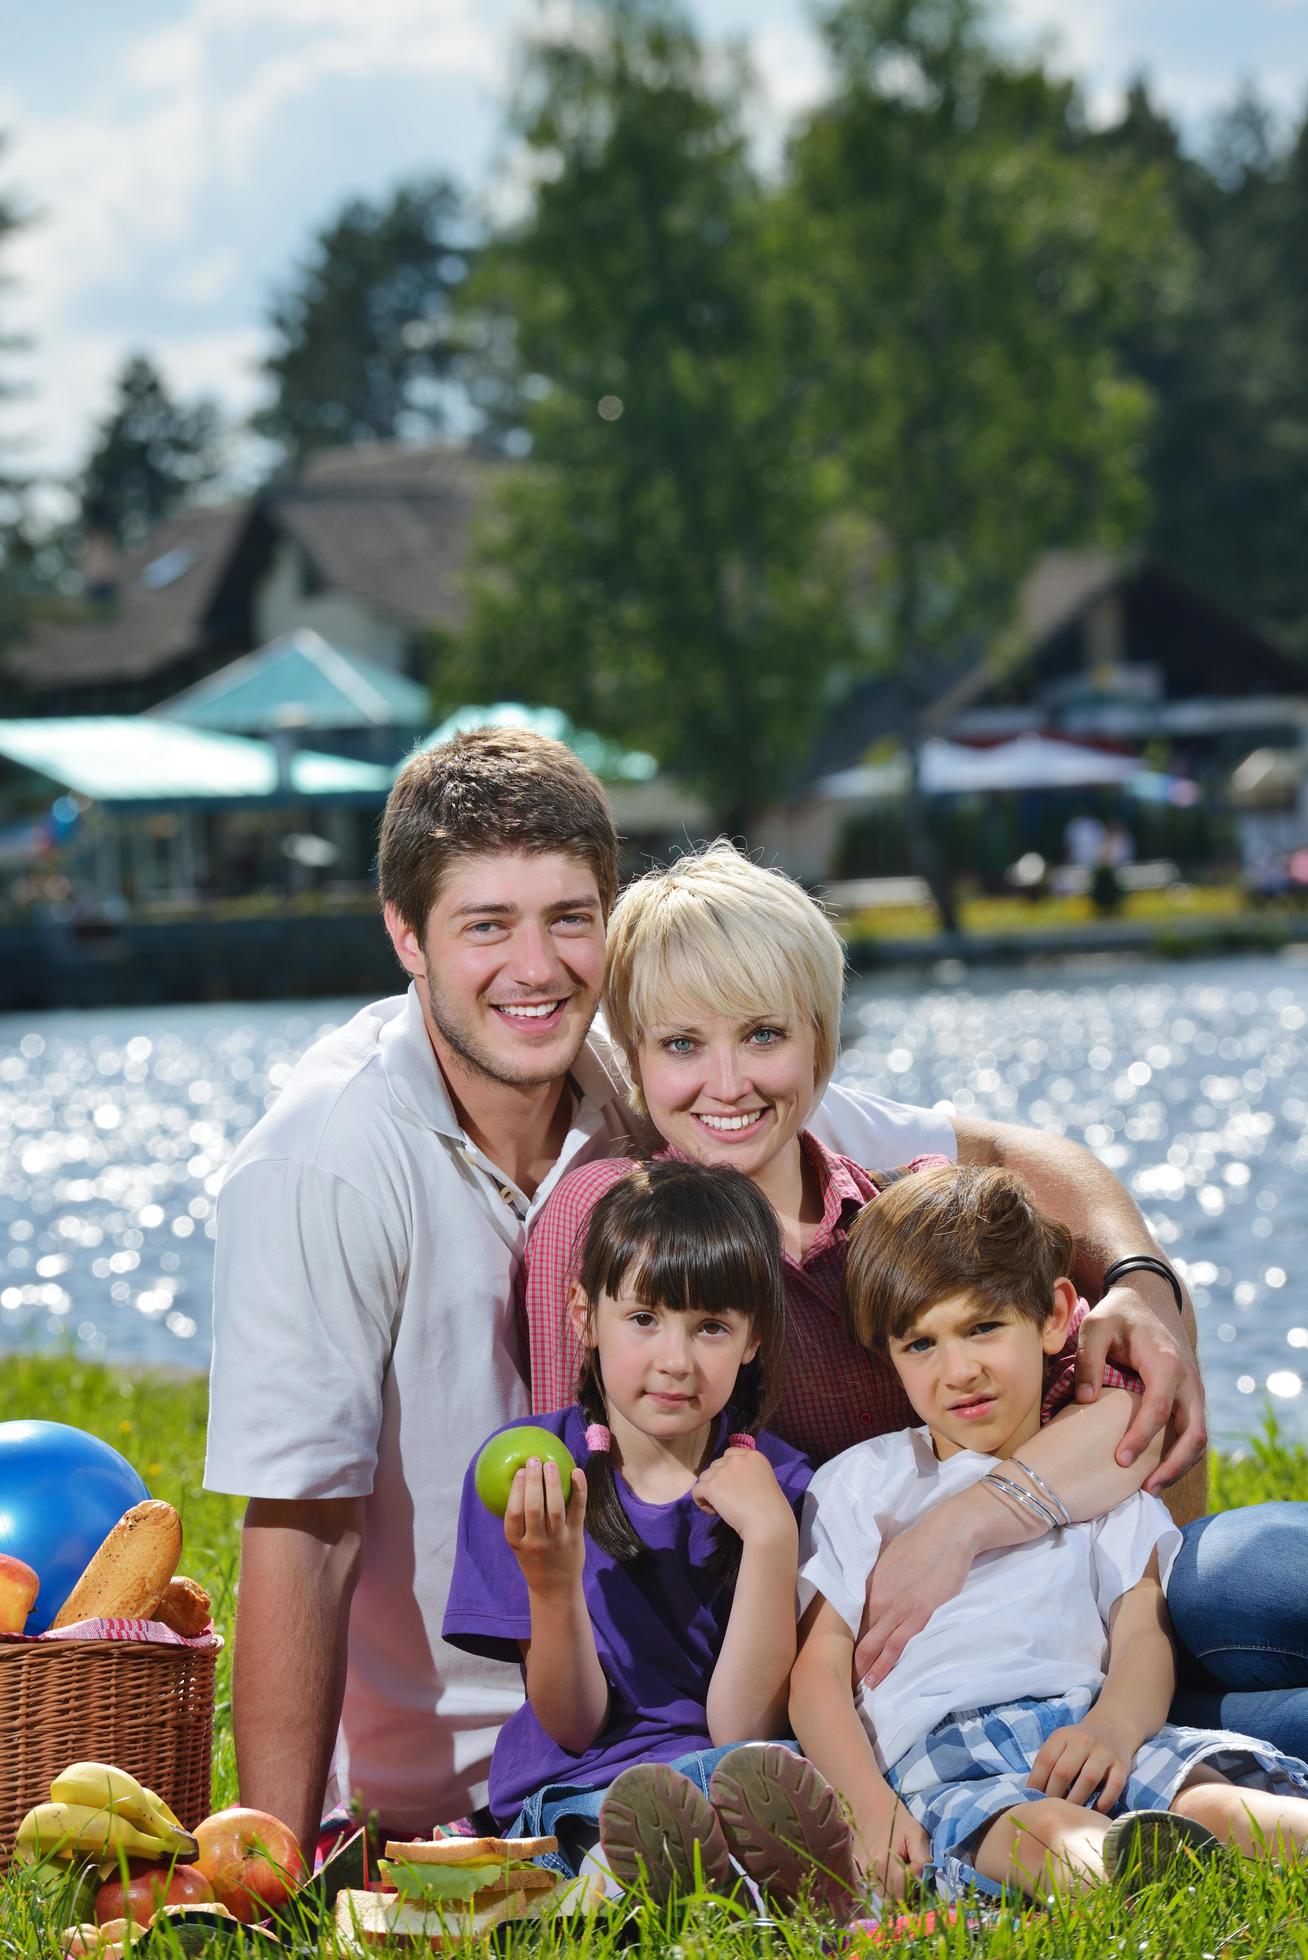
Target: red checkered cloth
[[151, 1633], [835, 1394]]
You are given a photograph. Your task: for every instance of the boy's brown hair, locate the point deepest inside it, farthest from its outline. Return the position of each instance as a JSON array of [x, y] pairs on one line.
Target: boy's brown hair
[[962, 1228], [489, 791]]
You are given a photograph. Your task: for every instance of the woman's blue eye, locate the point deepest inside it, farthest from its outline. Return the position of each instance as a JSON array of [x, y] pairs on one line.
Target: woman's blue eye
[[767, 1037], [919, 1346], [679, 1044]]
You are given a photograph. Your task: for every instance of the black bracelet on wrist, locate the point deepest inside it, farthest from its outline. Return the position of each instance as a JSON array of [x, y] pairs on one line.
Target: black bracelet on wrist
[[1143, 1262]]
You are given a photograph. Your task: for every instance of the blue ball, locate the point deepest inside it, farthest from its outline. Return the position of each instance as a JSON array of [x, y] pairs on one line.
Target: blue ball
[[61, 1493]]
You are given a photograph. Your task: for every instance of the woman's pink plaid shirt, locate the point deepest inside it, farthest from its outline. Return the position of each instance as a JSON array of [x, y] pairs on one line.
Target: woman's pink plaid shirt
[[834, 1395]]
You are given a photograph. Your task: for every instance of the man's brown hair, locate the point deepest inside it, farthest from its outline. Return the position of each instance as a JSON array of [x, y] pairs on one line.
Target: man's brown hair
[[933, 1233], [489, 791]]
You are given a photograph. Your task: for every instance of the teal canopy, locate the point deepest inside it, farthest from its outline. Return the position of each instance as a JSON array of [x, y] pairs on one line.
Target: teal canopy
[[299, 681], [122, 759], [609, 761]]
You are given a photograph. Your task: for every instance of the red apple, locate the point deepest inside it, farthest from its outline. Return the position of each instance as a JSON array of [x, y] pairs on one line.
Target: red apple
[[251, 1860], [19, 1586], [148, 1887]]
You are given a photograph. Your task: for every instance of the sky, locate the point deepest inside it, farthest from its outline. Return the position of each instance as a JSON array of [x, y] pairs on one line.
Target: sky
[[176, 155]]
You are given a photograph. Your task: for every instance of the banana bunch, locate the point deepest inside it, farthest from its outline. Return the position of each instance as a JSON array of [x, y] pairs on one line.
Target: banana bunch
[[99, 1812]]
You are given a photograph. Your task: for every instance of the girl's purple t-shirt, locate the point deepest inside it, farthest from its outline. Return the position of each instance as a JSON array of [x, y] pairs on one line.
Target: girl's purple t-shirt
[[659, 1624]]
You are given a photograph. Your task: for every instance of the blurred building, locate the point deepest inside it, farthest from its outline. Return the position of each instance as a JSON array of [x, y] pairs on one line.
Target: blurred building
[[366, 547], [1114, 657]]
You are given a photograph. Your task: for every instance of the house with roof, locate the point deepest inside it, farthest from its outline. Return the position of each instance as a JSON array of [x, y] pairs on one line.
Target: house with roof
[[1107, 652], [365, 547]]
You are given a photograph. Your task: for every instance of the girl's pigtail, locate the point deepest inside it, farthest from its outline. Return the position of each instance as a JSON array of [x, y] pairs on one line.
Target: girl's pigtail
[[606, 1521]]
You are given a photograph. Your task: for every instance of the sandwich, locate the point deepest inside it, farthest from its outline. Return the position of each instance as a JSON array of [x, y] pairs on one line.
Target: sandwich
[[446, 1890]]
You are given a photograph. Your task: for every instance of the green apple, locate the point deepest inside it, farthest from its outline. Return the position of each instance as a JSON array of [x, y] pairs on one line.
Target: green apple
[[507, 1453]]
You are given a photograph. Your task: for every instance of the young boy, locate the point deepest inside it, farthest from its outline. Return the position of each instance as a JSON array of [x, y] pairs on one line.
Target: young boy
[[1032, 1709]]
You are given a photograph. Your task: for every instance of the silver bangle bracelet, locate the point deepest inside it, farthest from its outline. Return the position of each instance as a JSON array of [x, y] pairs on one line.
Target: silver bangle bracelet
[[1064, 1515], [1027, 1499]]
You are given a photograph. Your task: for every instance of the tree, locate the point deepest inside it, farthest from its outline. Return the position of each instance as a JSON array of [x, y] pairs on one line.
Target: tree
[[1229, 464], [660, 568], [150, 455], [13, 487], [361, 342], [969, 266]]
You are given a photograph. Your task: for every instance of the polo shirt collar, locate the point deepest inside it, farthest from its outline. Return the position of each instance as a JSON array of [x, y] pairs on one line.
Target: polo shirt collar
[[412, 1072]]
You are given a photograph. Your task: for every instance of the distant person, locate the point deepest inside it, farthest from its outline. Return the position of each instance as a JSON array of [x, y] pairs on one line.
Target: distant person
[[1083, 840], [1116, 849], [1023, 1740]]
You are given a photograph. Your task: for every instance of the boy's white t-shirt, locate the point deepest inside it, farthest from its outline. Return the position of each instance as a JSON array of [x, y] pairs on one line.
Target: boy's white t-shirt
[[1030, 1621]]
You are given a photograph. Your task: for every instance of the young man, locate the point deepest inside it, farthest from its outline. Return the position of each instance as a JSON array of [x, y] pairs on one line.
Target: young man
[[370, 1230]]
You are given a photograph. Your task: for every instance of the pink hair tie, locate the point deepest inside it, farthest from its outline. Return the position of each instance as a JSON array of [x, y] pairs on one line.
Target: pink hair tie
[[741, 1439], [598, 1438]]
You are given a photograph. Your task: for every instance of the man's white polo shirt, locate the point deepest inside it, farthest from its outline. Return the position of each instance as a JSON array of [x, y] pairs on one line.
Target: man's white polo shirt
[[365, 1345]]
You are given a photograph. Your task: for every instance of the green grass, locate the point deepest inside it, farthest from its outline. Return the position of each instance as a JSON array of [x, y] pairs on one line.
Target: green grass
[[1232, 1910]]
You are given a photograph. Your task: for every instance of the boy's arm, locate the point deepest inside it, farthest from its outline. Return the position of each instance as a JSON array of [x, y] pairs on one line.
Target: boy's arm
[[889, 1841], [566, 1687], [1096, 1753], [927, 1564], [747, 1694]]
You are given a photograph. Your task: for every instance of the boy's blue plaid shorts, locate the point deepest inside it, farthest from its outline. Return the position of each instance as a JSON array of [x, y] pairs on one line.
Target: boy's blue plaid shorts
[[975, 1765]]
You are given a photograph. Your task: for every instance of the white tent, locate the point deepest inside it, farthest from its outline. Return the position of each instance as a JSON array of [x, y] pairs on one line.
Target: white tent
[[954, 769], [1027, 762]]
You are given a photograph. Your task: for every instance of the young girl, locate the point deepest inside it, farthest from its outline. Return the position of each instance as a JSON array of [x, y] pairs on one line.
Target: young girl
[[654, 1612]]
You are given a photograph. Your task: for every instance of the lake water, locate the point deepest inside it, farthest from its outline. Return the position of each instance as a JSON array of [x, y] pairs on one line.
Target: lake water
[[1190, 1081]]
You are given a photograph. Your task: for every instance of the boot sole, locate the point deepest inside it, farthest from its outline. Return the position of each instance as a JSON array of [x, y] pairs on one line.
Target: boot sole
[[1143, 1845], [656, 1827], [785, 1827]]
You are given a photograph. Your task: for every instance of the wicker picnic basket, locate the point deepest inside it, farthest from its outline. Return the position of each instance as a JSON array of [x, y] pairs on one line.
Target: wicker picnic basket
[[148, 1709]]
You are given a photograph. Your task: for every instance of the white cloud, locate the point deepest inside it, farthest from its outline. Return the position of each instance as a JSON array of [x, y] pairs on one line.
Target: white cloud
[[188, 110]]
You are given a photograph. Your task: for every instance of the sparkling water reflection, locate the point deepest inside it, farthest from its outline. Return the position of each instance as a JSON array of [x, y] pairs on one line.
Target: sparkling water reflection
[[1191, 1083]]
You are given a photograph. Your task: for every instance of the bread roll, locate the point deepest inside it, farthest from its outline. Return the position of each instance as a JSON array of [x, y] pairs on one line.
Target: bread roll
[[185, 1607]]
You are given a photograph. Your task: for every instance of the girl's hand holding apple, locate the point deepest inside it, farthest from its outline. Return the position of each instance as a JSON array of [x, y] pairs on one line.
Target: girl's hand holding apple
[[741, 1488], [546, 1535]]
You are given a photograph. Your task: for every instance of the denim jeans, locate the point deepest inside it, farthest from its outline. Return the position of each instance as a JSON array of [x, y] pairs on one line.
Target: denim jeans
[[570, 1811], [1238, 1597]]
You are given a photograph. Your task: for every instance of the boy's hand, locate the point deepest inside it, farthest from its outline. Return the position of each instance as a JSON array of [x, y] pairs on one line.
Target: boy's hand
[[1093, 1754], [892, 1848], [547, 1537], [741, 1488]]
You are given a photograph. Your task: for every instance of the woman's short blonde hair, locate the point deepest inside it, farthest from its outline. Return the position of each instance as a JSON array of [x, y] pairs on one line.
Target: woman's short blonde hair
[[718, 932]]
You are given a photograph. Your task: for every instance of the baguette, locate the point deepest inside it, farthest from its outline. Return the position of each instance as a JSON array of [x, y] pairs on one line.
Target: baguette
[[129, 1574]]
